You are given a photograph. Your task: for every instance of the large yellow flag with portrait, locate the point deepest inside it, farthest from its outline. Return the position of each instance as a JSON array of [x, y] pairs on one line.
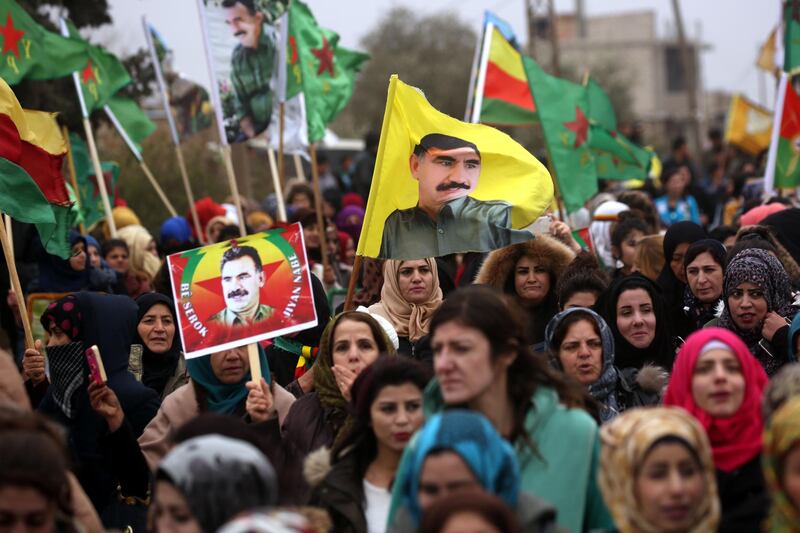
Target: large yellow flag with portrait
[[443, 186]]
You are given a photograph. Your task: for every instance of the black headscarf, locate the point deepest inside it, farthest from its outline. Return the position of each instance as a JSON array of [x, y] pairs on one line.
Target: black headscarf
[[56, 274], [671, 287], [699, 312], [786, 224], [660, 351], [157, 368]]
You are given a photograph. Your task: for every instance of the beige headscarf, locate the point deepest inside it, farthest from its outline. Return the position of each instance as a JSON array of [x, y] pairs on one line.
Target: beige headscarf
[[138, 239], [410, 320], [626, 442]]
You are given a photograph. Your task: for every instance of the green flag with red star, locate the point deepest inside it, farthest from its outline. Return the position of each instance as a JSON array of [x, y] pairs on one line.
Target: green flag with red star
[[30, 51], [563, 107], [101, 74], [319, 68]]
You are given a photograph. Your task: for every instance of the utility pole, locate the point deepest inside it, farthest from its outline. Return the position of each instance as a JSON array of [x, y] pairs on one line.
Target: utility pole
[[555, 58], [690, 79], [529, 15]]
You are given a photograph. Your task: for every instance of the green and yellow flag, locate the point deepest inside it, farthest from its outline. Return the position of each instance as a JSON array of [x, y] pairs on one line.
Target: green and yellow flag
[[445, 186], [791, 36], [30, 51], [319, 68]]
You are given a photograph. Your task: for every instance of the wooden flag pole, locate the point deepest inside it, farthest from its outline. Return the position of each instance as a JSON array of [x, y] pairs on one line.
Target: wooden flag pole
[[8, 252], [255, 362], [98, 171], [323, 240], [87, 128], [351, 285], [187, 187], [226, 157], [281, 127], [157, 187], [72, 174], [298, 168], [276, 183]]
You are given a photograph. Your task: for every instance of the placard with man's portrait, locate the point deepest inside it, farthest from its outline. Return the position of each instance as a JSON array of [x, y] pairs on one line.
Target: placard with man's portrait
[[241, 291]]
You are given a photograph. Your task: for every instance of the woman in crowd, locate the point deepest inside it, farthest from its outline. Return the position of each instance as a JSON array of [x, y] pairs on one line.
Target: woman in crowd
[[143, 253], [482, 361], [117, 256], [581, 345], [626, 233], [582, 283], [358, 473], [676, 205], [459, 452], [769, 234], [64, 275], [759, 306], [529, 271], [721, 384], [163, 367], [350, 343], [648, 259], [782, 467], [217, 384], [634, 310], [75, 323], [205, 481], [672, 278], [409, 297], [657, 473], [704, 262], [603, 219]]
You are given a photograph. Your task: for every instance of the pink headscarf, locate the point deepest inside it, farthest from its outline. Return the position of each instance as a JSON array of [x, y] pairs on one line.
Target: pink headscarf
[[735, 440], [757, 214]]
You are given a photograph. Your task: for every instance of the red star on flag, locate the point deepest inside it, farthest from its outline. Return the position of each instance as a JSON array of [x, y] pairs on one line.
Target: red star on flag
[[580, 126], [325, 56], [88, 73], [11, 36]]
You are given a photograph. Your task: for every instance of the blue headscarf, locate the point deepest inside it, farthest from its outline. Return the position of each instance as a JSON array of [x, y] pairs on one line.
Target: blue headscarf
[[470, 435], [56, 274], [222, 398], [604, 389], [793, 331]]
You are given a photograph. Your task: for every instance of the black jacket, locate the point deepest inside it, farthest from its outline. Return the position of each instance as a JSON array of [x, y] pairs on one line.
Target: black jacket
[[341, 493], [743, 497]]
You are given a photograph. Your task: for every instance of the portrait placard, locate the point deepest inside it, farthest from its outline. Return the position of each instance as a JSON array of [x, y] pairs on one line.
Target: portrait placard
[[242, 291]]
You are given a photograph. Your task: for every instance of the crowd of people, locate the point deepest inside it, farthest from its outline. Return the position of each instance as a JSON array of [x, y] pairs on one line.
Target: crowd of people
[[643, 379]]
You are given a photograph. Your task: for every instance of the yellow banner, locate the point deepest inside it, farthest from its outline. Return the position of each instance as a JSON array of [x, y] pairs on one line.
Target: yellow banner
[[749, 125], [443, 186]]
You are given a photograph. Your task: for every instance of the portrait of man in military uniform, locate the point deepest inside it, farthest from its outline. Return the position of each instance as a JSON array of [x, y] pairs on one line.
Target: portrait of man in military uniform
[[242, 278], [446, 219], [252, 63]]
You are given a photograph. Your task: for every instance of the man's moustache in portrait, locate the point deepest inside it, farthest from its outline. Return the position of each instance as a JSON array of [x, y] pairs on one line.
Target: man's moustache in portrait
[[452, 185], [237, 292], [240, 33]]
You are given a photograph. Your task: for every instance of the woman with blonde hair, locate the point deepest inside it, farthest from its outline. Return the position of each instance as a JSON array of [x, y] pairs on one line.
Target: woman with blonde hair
[[649, 257], [143, 252], [656, 472]]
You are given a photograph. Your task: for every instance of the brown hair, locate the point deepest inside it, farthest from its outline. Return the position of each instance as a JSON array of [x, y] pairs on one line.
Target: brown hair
[[487, 506], [649, 258], [501, 321]]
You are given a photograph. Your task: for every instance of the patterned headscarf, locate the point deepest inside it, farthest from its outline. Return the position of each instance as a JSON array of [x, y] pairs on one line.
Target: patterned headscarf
[[626, 442], [735, 439], [490, 458], [67, 362], [371, 283], [781, 437], [604, 389], [763, 270], [409, 320]]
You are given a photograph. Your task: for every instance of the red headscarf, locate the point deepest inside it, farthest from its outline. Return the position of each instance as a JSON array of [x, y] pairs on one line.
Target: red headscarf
[[735, 440], [207, 209]]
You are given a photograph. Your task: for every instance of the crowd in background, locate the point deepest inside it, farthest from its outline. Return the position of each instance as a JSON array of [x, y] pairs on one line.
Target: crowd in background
[[638, 376]]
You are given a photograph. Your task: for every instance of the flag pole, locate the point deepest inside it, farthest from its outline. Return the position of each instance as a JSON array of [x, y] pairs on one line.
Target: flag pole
[[323, 233], [72, 174], [8, 252], [281, 158], [276, 183], [87, 128], [481, 83], [162, 87], [138, 155], [226, 158], [351, 285], [772, 156], [298, 167]]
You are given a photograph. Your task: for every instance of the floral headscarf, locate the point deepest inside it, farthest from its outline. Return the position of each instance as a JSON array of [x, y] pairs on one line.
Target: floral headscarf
[[763, 270], [626, 442], [781, 437]]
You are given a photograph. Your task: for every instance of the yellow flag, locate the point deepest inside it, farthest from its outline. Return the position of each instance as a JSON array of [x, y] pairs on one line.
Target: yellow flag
[[766, 54], [443, 186], [749, 125]]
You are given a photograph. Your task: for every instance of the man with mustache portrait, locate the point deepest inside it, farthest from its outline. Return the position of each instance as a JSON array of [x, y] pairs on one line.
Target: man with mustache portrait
[[252, 64], [446, 219], [242, 278]]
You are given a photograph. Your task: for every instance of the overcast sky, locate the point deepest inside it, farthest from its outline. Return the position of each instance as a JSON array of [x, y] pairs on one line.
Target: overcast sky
[[733, 28]]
